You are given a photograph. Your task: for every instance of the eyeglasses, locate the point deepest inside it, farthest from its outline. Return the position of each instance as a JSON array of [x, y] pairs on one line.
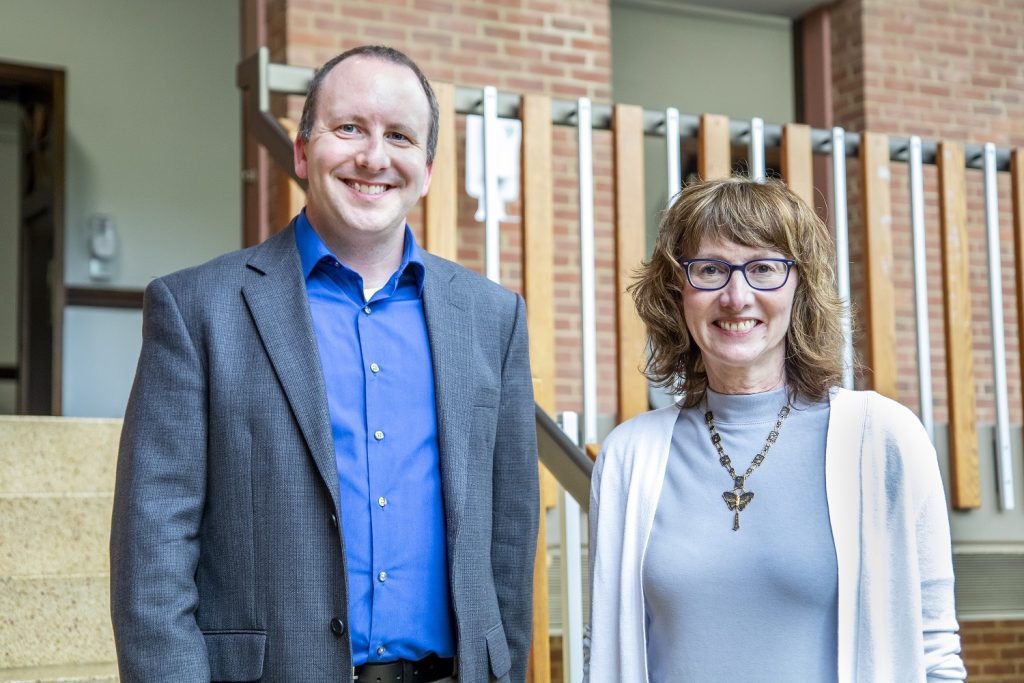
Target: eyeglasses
[[764, 274]]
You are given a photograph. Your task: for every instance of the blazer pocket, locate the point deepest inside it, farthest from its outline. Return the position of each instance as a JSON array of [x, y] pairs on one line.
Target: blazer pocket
[[235, 655], [497, 651], [486, 397]]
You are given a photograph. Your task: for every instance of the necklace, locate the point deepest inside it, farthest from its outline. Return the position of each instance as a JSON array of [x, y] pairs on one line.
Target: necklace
[[738, 497]]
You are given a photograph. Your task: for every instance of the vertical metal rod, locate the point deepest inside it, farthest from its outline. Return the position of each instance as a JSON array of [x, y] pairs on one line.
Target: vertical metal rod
[[675, 181], [926, 407], [1004, 456], [755, 154], [570, 526], [492, 229], [588, 317], [842, 247]]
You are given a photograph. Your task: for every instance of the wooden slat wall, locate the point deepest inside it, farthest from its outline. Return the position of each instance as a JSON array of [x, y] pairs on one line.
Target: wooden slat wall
[[538, 289], [963, 442], [881, 305], [714, 152], [798, 160], [630, 249], [440, 206]]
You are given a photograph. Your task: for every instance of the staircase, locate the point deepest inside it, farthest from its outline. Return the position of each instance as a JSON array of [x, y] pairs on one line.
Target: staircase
[[56, 490]]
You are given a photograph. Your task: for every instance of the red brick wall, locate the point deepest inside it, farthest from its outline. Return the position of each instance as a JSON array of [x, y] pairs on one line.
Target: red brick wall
[[557, 48], [994, 651], [942, 70]]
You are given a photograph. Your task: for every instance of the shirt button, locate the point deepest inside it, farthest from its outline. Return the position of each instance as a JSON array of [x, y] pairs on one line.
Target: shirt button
[[382, 501], [336, 264], [334, 520], [382, 577], [379, 435], [374, 368], [380, 650], [366, 310]]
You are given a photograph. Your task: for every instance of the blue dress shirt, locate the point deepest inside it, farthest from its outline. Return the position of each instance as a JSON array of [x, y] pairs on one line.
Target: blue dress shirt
[[380, 393]]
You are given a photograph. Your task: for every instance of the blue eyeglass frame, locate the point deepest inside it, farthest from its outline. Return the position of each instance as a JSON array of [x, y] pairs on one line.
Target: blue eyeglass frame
[[733, 267]]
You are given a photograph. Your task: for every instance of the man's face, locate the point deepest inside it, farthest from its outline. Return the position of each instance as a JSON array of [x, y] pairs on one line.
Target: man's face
[[366, 159]]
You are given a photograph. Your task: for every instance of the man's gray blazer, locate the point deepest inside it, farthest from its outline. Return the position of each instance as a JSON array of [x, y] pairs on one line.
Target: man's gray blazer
[[226, 558]]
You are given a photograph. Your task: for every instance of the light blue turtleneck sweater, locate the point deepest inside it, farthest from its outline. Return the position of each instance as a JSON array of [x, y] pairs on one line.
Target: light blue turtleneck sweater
[[758, 604]]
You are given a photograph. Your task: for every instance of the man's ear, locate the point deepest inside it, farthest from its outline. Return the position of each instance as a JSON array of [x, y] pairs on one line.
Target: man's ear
[[426, 180], [299, 157]]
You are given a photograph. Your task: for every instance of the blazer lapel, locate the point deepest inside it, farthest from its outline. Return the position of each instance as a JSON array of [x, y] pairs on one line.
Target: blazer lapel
[[450, 331], [276, 296]]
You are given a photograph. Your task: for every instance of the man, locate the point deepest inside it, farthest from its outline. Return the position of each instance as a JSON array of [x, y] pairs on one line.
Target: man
[[328, 464]]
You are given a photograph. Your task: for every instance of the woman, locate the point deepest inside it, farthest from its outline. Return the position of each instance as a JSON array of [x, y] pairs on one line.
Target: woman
[[839, 568]]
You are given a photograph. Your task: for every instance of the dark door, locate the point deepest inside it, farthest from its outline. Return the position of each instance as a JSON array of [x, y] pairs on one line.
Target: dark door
[[39, 93]]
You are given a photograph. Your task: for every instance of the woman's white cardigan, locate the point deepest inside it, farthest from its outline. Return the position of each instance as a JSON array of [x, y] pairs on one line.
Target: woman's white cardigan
[[887, 511]]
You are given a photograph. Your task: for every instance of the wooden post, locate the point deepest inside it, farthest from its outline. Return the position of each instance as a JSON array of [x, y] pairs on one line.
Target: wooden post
[[630, 249], [881, 306], [963, 437], [1017, 203], [440, 208], [714, 158], [798, 161], [538, 289]]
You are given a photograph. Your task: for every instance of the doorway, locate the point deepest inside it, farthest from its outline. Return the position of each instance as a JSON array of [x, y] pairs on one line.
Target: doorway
[[30, 347]]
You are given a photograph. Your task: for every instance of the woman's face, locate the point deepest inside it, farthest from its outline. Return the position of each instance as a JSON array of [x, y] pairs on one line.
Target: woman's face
[[741, 331]]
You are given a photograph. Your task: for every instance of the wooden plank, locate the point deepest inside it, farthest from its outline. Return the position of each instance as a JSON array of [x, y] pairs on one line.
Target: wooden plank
[[290, 195], [539, 290], [798, 161], [1017, 206], [440, 206], [960, 391], [714, 152], [630, 249], [880, 291]]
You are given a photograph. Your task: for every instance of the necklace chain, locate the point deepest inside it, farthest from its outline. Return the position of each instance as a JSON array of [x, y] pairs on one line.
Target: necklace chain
[[737, 498]]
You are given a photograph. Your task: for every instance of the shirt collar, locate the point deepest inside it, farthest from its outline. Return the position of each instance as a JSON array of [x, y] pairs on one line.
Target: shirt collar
[[312, 251]]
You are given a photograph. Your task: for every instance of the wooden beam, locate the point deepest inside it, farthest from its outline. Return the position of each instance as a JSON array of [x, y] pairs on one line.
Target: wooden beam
[[255, 160], [539, 291], [963, 437], [630, 249], [290, 196], [798, 161], [714, 155], [440, 206], [881, 293], [1017, 206]]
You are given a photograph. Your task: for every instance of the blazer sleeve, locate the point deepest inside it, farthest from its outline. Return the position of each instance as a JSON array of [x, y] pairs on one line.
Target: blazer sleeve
[[158, 502], [516, 508]]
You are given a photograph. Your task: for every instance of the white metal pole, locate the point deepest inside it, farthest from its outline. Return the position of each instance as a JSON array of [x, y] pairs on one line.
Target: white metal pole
[[1004, 455], [675, 182], [926, 406], [572, 571], [842, 247], [588, 317], [755, 154]]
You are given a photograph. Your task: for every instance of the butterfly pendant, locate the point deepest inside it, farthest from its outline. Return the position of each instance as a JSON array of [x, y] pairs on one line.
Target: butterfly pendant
[[736, 502]]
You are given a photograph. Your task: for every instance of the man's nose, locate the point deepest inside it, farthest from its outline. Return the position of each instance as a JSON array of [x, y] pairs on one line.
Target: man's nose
[[374, 154]]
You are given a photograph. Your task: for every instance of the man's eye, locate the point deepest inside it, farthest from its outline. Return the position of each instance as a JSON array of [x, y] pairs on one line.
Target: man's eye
[[347, 128], [399, 137]]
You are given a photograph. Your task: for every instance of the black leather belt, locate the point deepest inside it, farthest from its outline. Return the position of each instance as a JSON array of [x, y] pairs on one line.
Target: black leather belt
[[430, 668]]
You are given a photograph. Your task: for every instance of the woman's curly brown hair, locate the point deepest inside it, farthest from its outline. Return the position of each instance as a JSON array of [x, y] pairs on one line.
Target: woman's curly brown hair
[[760, 215]]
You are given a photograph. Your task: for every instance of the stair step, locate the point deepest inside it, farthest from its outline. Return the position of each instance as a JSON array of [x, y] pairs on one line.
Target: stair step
[[55, 620], [105, 672], [54, 533], [57, 454]]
